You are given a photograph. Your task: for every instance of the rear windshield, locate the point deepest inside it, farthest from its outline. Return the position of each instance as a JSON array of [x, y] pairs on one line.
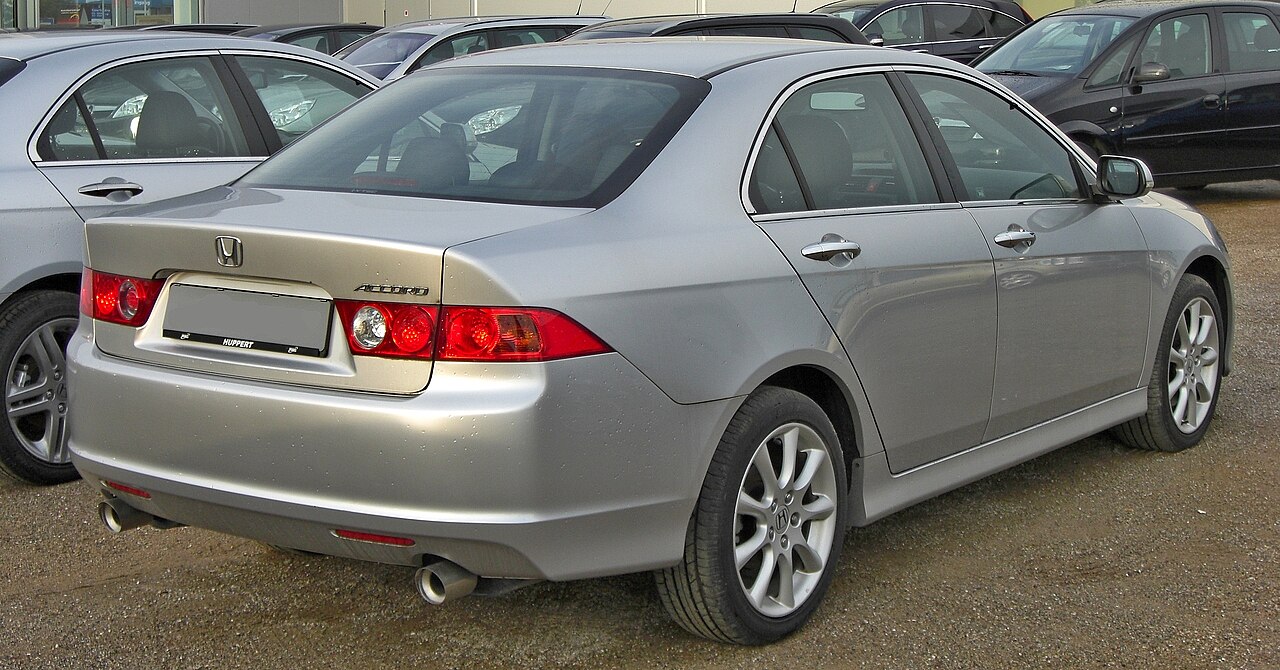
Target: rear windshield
[[380, 54], [574, 137], [1055, 45]]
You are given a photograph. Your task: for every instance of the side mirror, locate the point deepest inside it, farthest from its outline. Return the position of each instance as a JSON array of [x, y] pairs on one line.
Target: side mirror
[[1148, 72], [1120, 177], [875, 39]]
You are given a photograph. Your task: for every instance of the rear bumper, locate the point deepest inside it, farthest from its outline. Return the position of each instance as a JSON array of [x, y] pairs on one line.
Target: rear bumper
[[571, 469]]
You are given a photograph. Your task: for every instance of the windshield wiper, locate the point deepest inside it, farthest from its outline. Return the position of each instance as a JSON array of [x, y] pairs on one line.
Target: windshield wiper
[[1014, 73]]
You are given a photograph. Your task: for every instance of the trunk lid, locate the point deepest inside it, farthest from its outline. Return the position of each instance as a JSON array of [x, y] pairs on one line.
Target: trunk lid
[[264, 297]]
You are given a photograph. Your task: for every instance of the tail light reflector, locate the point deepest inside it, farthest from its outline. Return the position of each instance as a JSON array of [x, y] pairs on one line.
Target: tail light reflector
[[375, 538], [116, 486], [464, 333], [127, 301]]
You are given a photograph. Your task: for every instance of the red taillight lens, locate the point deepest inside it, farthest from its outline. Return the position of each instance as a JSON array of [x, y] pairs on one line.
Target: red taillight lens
[[488, 334], [514, 334], [118, 299], [388, 329]]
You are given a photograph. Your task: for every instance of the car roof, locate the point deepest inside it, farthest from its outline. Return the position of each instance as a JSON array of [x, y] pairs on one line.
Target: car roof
[[286, 28], [690, 56], [25, 46], [1140, 8], [443, 24], [656, 24]]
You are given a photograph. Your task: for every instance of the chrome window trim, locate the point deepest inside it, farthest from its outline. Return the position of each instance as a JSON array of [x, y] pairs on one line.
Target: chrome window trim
[[953, 4], [37, 161], [153, 161], [992, 87], [881, 209]]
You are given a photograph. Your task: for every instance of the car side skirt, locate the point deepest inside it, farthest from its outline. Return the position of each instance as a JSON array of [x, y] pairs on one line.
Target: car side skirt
[[879, 492]]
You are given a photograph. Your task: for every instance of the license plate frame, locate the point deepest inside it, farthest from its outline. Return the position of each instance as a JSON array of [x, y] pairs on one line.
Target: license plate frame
[[249, 320]]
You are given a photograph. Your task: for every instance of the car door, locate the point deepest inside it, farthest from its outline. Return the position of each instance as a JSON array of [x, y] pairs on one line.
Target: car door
[[145, 130], [959, 31], [1252, 43], [902, 273], [1072, 277], [1177, 124]]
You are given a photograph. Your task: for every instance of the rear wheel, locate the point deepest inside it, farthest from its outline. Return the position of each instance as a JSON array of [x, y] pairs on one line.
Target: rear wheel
[[34, 331], [1183, 391], [763, 542]]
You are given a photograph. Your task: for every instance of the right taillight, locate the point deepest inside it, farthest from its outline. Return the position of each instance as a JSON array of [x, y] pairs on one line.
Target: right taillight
[[463, 333], [127, 301]]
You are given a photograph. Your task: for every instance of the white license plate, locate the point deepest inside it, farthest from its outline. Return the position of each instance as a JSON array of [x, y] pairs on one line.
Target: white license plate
[[248, 320]]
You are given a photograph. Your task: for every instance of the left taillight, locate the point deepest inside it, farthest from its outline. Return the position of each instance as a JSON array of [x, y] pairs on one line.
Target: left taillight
[[127, 301]]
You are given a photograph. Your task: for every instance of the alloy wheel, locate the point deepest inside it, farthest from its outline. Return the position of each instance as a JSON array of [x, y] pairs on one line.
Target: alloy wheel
[[35, 398], [1193, 365]]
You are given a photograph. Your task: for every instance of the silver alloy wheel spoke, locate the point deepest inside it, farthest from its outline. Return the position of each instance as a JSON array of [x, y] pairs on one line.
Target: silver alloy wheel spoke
[[784, 520], [1193, 366], [35, 392]]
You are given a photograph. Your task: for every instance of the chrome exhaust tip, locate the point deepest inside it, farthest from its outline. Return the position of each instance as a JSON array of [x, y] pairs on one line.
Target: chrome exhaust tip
[[118, 516], [443, 580]]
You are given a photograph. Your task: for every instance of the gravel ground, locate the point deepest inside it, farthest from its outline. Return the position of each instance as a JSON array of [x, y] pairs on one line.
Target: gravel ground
[[1094, 556]]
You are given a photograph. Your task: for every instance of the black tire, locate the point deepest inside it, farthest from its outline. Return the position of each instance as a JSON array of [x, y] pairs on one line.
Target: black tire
[[22, 317], [705, 592], [1158, 430]]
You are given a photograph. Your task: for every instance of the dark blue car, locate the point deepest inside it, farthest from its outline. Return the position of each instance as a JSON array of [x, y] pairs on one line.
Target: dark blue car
[[1192, 88]]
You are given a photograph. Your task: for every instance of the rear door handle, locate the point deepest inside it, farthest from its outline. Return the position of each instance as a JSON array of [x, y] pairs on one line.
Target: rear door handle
[[829, 248], [984, 47], [109, 186], [1015, 237]]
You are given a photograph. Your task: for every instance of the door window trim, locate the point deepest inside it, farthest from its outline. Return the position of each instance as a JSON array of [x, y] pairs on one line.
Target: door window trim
[[929, 27]]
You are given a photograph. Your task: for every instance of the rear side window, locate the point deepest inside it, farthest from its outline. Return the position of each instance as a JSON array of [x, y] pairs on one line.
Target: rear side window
[[297, 96], [168, 108], [816, 33], [316, 41], [380, 54], [560, 136], [954, 22], [1252, 42], [9, 68], [749, 31], [452, 48], [852, 147]]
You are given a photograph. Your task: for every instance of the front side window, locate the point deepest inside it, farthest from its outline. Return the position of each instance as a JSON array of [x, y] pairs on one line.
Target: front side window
[[1252, 42], [298, 96], [1055, 46], [1001, 153], [1003, 25], [1180, 44], [898, 26], [557, 136], [749, 31], [953, 22], [1111, 70], [515, 37], [852, 147], [170, 108], [317, 42]]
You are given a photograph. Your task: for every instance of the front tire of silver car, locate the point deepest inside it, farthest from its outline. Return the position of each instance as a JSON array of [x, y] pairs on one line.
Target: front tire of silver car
[[1183, 391], [765, 536], [34, 331]]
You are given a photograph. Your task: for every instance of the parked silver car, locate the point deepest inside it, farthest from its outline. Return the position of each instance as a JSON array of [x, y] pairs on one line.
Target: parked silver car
[[98, 121], [397, 50], [674, 305]]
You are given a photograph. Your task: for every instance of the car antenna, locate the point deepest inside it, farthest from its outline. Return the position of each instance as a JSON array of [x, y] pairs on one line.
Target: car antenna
[[579, 12], [794, 3], [605, 11]]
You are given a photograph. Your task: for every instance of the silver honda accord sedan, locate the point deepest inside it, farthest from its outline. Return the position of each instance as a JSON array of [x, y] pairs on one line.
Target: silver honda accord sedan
[[689, 306], [98, 121]]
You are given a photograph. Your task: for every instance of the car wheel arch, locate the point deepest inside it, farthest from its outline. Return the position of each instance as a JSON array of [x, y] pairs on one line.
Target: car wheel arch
[[61, 280], [1211, 269], [837, 402]]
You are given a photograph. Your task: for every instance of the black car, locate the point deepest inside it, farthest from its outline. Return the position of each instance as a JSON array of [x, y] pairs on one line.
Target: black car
[[323, 37], [799, 26], [958, 30], [1192, 88]]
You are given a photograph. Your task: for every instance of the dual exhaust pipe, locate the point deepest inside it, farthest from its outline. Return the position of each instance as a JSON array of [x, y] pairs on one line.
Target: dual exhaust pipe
[[437, 582]]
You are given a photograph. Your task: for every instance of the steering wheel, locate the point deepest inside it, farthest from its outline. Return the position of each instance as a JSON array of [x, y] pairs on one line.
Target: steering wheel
[[1034, 182]]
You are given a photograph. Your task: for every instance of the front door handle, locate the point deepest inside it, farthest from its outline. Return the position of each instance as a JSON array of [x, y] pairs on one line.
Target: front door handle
[[984, 47], [830, 247], [108, 187], [1015, 237], [1211, 101]]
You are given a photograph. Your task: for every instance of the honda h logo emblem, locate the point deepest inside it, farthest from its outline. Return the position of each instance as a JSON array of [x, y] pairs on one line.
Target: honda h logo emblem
[[229, 254]]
